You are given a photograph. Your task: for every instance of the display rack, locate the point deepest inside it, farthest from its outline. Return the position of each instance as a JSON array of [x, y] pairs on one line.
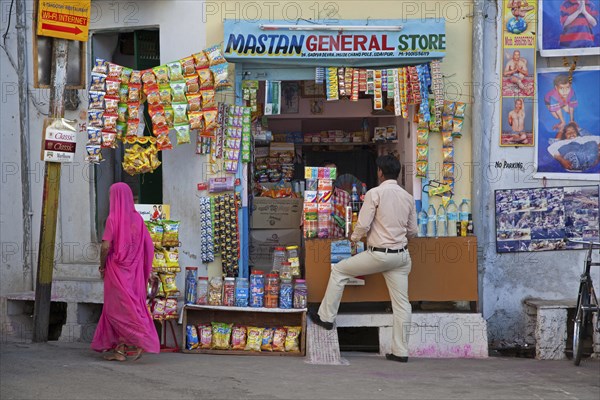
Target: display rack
[[246, 316]]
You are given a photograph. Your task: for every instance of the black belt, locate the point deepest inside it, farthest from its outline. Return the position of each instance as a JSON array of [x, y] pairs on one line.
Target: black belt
[[384, 250]]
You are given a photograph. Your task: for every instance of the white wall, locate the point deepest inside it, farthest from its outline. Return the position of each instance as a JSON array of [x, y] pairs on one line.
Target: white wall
[[181, 34], [507, 279]]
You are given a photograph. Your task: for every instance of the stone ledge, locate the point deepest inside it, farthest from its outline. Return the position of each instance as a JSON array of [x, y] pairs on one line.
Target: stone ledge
[[545, 304]]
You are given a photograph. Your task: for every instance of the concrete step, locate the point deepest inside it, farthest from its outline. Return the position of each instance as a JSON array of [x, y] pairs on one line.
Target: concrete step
[[67, 271], [81, 290]]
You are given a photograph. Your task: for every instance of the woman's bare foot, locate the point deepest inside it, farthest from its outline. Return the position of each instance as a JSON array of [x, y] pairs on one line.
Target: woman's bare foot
[[118, 354]]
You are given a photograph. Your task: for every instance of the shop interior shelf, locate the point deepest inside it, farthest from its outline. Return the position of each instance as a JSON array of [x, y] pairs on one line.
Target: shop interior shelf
[[245, 316], [346, 143]]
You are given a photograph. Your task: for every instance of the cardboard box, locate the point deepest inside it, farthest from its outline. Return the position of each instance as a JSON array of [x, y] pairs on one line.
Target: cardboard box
[[268, 213], [263, 242]]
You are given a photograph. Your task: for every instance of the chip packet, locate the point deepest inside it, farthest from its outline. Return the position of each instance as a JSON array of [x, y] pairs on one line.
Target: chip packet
[[221, 335], [254, 338], [238, 338], [292, 340]]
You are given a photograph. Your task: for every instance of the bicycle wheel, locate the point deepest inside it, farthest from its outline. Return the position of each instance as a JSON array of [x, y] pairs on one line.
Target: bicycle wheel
[[579, 326]]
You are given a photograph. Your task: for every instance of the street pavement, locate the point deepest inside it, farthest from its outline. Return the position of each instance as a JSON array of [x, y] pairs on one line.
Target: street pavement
[[72, 371]]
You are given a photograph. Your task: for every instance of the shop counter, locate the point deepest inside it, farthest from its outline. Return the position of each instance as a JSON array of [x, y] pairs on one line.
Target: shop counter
[[443, 269], [245, 316]]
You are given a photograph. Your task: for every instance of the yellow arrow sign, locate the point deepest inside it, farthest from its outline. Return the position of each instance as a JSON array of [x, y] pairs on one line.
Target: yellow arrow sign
[[64, 19]]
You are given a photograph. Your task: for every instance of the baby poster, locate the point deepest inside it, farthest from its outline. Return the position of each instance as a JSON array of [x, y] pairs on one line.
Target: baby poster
[[568, 124], [569, 27]]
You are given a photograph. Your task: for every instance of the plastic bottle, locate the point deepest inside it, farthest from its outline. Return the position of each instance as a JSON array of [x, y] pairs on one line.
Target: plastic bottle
[[463, 216], [229, 292], [363, 192], [190, 284], [442, 221], [366, 130], [422, 223], [452, 213], [354, 198], [257, 289], [202, 290], [241, 292], [431, 221], [354, 221], [279, 257], [300, 294], [286, 295], [272, 291], [285, 274]]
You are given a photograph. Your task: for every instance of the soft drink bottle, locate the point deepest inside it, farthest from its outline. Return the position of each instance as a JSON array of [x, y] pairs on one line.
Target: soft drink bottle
[[354, 198]]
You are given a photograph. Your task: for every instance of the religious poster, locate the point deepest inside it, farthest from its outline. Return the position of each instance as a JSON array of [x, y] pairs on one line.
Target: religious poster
[[568, 124], [542, 219], [518, 72], [569, 27]]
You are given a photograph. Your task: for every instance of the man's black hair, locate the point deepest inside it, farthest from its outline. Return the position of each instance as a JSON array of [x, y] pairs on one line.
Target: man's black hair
[[389, 166]]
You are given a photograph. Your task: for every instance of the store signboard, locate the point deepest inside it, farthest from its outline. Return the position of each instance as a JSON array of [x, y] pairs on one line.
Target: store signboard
[[64, 19], [154, 212], [284, 41], [60, 137]]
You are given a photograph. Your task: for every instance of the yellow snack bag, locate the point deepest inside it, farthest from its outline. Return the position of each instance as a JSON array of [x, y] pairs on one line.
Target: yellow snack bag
[[292, 340], [254, 338]]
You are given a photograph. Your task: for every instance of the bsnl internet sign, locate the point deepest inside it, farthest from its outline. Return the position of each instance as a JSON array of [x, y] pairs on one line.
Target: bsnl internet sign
[[422, 40]]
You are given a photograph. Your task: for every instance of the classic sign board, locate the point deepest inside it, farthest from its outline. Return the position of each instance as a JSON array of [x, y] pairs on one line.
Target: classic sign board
[[60, 137], [64, 19]]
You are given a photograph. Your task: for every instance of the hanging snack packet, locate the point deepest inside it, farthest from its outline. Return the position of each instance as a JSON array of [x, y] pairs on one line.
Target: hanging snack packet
[[187, 65], [180, 113], [96, 100], [169, 116], [132, 127], [221, 335], [238, 338], [459, 109], [200, 60], [96, 118], [208, 99], [152, 153], [133, 110], [447, 138], [94, 153], [422, 169], [134, 92], [122, 112], [448, 154], [194, 102], [191, 83], [210, 119], [292, 340], [152, 94], [254, 340], [178, 95], [109, 139], [192, 337], [156, 231], [447, 122], [448, 170], [422, 136], [172, 259], [112, 87], [163, 142], [111, 104], [135, 78], [196, 120], [164, 91], [215, 56], [94, 135], [159, 263], [148, 77], [449, 108], [206, 78], [175, 72], [100, 66], [162, 74], [457, 124], [171, 233], [121, 129], [110, 122], [168, 281], [97, 81], [125, 75], [114, 70], [279, 339], [267, 339], [157, 114], [123, 93], [158, 308], [171, 307], [205, 335], [183, 133], [220, 76], [422, 152]]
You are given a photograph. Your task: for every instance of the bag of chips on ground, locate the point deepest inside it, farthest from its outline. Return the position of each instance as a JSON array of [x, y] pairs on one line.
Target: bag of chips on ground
[[279, 339], [221, 335], [254, 339], [192, 337], [238, 338], [205, 336], [267, 339], [292, 340]]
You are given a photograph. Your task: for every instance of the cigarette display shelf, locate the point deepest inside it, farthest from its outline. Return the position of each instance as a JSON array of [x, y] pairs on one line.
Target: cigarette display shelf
[[245, 316]]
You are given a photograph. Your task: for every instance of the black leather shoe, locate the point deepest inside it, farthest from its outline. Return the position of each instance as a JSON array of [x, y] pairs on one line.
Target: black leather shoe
[[314, 317], [392, 357]]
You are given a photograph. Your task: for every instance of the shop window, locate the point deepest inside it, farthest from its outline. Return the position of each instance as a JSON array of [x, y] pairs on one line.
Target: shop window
[[139, 50]]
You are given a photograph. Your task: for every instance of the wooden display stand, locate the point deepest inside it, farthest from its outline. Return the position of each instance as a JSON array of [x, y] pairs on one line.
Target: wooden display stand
[[443, 269], [245, 316]]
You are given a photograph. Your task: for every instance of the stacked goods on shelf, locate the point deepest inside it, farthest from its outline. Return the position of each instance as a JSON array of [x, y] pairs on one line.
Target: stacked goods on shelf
[[165, 236], [318, 201]]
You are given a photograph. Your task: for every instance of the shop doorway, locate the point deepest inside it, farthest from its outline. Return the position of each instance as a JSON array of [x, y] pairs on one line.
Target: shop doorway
[[138, 49]]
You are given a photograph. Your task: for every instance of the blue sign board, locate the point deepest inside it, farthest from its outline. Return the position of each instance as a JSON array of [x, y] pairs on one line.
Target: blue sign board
[[399, 42]]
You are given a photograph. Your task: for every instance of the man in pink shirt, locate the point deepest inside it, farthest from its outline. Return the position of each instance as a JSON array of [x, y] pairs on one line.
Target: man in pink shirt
[[388, 219]]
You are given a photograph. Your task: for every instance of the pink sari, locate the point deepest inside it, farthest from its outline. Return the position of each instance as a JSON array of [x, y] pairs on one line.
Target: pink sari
[[125, 317]]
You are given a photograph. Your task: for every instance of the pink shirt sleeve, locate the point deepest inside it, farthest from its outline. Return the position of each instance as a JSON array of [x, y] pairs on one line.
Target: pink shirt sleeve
[[108, 231]]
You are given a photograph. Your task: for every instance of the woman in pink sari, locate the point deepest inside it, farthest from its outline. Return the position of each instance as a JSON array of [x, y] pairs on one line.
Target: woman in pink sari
[[125, 265]]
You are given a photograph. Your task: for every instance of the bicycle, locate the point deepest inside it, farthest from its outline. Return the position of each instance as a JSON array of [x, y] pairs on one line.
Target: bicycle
[[587, 304]]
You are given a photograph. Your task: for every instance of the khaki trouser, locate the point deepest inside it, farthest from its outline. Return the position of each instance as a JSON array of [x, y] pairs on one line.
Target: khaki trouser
[[395, 268]]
